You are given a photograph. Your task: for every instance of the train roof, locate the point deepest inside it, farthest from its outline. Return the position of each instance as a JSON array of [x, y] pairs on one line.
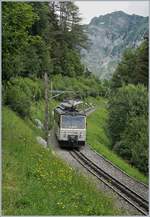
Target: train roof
[[70, 103], [69, 107], [61, 111]]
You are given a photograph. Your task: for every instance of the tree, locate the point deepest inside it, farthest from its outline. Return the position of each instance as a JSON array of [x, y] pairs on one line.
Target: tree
[[17, 18], [125, 70], [129, 101], [68, 37], [40, 47], [128, 124], [135, 138], [133, 68], [141, 66], [36, 39]]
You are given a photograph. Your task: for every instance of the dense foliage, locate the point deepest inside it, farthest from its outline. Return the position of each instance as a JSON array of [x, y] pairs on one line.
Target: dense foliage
[[128, 120], [20, 93], [133, 68], [128, 107], [16, 19], [135, 141], [80, 86], [39, 37]]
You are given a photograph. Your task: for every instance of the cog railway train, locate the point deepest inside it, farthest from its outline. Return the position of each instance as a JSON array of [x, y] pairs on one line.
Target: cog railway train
[[70, 125]]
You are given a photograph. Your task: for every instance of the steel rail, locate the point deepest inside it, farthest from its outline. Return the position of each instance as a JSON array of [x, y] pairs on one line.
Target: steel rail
[[118, 168], [129, 195]]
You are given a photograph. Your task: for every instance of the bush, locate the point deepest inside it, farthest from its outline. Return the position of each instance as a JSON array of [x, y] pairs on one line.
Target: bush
[[128, 115], [33, 88], [123, 150], [18, 101], [129, 101], [81, 86], [135, 137], [21, 92]]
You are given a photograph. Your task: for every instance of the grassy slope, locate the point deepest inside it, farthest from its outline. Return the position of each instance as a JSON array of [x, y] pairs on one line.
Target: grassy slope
[[98, 138], [38, 109], [35, 182]]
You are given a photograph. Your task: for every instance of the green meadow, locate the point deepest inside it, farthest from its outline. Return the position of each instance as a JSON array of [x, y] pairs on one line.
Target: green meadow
[[36, 182]]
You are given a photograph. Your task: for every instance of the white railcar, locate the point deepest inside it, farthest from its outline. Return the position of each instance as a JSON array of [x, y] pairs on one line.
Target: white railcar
[[70, 125]]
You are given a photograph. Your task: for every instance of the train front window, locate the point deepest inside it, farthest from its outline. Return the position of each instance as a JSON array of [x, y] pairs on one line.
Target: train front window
[[73, 122]]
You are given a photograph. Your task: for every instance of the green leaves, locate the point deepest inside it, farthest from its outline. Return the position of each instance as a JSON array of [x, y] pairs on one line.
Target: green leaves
[[135, 137], [39, 37], [125, 70], [20, 94], [129, 107], [141, 66], [128, 113], [133, 68], [17, 18]]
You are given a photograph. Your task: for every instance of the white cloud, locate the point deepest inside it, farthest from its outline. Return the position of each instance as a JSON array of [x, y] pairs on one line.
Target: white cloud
[[90, 9]]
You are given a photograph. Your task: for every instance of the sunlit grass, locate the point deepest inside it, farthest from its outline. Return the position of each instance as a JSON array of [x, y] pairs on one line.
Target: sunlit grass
[[38, 109], [36, 182]]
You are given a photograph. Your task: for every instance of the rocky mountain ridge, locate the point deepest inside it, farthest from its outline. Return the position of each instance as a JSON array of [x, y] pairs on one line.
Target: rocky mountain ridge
[[109, 35]]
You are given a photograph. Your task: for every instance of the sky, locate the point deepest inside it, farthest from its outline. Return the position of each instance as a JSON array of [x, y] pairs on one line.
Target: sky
[[90, 9]]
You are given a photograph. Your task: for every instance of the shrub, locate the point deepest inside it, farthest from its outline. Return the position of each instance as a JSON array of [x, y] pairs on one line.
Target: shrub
[[123, 150], [129, 101], [33, 88], [128, 116], [21, 92], [81, 86], [18, 100], [135, 138]]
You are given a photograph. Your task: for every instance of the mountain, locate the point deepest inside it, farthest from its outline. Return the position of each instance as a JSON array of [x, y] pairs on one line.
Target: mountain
[[109, 35]]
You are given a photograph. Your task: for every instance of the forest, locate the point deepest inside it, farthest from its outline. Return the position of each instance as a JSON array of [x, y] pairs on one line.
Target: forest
[[39, 37], [47, 37]]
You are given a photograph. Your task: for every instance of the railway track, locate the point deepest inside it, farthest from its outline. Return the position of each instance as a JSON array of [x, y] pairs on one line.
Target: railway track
[[101, 156], [122, 190]]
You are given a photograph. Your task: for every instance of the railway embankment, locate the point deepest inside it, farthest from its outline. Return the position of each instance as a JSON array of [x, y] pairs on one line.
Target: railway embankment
[[37, 182]]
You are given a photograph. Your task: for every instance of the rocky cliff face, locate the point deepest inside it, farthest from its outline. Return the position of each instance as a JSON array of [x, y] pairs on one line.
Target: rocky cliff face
[[109, 36]]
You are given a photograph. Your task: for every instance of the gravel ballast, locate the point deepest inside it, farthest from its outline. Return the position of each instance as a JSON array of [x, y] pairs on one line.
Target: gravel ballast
[[119, 201], [115, 172]]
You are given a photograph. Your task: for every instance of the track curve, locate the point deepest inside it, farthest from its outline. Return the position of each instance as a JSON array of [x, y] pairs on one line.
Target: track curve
[[122, 190]]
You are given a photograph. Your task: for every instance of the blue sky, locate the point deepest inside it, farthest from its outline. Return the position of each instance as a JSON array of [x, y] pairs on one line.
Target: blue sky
[[90, 9]]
